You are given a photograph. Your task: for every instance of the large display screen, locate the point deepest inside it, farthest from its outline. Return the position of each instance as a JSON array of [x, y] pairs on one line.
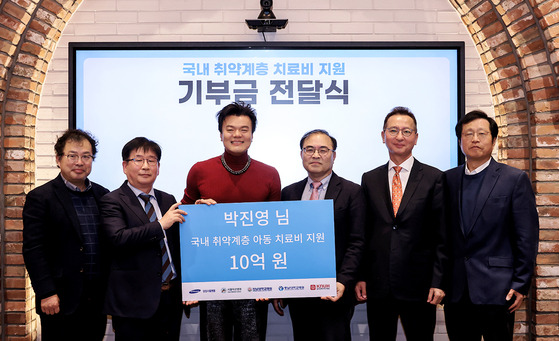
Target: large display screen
[[171, 92]]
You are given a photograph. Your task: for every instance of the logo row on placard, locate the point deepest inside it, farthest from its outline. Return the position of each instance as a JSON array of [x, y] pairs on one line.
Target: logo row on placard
[[262, 289]]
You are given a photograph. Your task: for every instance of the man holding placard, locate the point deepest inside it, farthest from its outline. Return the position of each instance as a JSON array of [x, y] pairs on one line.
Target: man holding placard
[[328, 318], [142, 226], [233, 177]]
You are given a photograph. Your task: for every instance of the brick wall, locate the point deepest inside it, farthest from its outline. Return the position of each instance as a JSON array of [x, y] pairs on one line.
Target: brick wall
[[516, 40], [28, 36], [518, 44]]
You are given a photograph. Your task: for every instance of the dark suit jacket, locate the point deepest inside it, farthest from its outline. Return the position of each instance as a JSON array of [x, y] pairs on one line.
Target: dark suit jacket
[[134, 287], [405, 255], [349, 215], [499, 251], [53, 246]]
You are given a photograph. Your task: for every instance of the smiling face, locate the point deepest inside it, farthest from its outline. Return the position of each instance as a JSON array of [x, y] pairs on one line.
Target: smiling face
[[141, 177], [399, 147], [75, 172], [318, 166], [236, 134], [476, 142]]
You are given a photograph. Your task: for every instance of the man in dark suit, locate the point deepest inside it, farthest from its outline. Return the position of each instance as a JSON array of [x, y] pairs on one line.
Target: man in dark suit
[[142, 226], [405, 256], [494, 226], [62, 249], [329, 318]]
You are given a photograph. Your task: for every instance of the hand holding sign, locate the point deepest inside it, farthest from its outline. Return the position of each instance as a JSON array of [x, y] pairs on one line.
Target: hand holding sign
[[259, 250]]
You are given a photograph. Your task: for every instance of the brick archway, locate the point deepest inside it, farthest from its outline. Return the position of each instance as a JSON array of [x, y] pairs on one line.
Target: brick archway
[[518, 43]]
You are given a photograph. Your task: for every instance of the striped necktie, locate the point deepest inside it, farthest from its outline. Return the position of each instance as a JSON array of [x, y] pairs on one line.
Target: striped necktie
[[165, 261]]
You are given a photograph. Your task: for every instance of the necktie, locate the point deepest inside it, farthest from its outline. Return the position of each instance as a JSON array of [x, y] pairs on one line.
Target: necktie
[[396, 190], [165, 261], [315, 186]]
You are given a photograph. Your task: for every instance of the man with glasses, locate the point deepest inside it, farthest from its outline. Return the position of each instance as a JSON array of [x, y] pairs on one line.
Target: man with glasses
[[142, 227], [405, 256], [328, 318], [62, 249], [494, 227]]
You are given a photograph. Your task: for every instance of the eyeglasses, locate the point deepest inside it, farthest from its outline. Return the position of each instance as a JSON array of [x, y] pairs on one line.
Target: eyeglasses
[[482, 135], [75, 158], [322, 151], [393, 131], [138, 161]]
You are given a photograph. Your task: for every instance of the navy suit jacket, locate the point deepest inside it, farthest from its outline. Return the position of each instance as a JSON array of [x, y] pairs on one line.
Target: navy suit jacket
[[499, 251], [134, 286], [53, 245], [405, 255], [349, 216]]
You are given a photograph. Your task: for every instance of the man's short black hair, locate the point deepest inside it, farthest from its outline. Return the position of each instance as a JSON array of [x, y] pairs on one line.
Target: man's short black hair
[[237, 109], [400, 111], [76, 135], [319, 131], [143, 144], [474, 115]]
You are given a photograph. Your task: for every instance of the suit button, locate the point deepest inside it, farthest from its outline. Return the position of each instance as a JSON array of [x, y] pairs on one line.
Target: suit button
[[394, 227]]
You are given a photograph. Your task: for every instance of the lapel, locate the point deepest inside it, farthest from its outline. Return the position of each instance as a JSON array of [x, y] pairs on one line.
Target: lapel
[[334, 187], [416, 174], [489, 181], [62, 194], [298, 190], [385, 190], [460, 178], [172, 232], [160, 202], [132, 202]]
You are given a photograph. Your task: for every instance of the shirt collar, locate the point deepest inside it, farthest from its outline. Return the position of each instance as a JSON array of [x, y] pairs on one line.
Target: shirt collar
[[324, 181], [75, 188], [477, 170], [137, 192], [406, 165]]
